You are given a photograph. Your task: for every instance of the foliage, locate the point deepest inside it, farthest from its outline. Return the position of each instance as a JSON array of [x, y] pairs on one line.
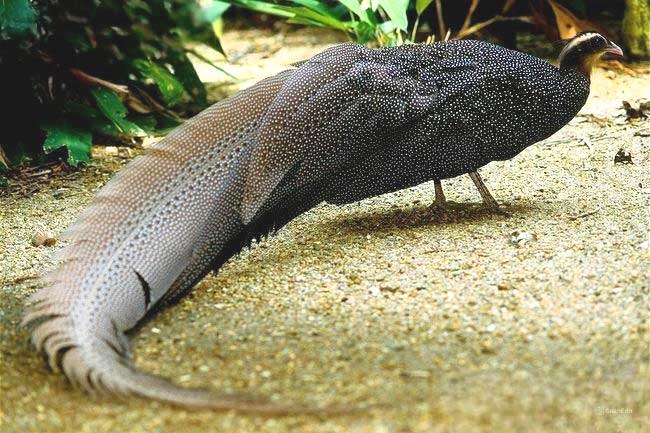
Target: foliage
[[74, 70], [384, 21], [393, 22]]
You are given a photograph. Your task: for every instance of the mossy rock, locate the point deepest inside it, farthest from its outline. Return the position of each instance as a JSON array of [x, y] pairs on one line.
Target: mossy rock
[[636, 28]]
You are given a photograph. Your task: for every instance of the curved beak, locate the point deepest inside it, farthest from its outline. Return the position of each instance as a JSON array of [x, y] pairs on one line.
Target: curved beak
[[612, 52]]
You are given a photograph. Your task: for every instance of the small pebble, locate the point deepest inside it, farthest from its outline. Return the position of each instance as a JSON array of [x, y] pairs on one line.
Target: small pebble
[[518, 238], [487, 346], [111, 150], [502, 287], [45, 238]]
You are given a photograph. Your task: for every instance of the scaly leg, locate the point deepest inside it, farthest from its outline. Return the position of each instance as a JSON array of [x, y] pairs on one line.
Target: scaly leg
[[488, 200], [440, 201], [439, 206]]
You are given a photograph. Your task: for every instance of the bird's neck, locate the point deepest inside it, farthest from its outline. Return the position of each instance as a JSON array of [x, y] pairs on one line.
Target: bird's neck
[[580, 64]]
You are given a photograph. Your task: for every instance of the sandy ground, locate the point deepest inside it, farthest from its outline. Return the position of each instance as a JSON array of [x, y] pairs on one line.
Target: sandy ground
[[446, 324]]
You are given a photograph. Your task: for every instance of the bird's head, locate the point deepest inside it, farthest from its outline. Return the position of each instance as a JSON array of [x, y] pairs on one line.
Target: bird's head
[[585, 49]]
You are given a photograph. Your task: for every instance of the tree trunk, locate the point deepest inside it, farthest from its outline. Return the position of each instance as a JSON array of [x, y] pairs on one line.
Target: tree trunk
[[636, 28]]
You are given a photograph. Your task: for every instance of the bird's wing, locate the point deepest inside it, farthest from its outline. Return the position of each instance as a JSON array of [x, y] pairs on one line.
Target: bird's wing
[[335, 109]]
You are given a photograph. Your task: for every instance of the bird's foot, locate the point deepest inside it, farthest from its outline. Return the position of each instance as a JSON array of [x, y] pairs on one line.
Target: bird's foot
[[498, 210], [446, 211], [438, 210]]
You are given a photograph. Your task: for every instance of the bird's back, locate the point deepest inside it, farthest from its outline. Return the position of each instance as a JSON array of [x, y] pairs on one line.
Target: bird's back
[[492, 103]]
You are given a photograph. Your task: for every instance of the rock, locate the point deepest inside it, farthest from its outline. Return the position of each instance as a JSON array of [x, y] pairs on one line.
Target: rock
[[636, 28], [502, 287], [487, 347], [518, 238], [623, 157], [43, 238]]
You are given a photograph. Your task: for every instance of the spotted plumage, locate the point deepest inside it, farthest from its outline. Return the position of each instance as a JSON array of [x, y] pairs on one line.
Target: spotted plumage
[[349, 123]]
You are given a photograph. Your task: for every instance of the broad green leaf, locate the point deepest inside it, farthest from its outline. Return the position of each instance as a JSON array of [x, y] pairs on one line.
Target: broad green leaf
[[387, 27], [365, 32], [147, 122], [77, 142], [355, 7], [211, 14], [165, 123], [17, 17], [170, 88], [421, 5], [370, 4], [396, 10], [214, 10], [393, 41], [188, 77], [82, 114], [113, 108]]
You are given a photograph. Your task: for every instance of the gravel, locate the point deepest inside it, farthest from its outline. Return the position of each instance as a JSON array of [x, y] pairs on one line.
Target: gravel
[[459, 322]]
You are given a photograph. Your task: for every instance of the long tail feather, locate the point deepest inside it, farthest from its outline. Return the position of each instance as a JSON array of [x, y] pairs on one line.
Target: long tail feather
[[157, 225]]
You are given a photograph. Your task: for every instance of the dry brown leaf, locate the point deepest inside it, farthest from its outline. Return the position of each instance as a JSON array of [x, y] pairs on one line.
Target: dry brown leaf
[[615, 65], [568, 25], [3, 158], [96, 81], [506, 6]]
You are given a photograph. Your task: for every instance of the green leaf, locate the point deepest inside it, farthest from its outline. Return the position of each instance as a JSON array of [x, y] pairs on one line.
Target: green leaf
[[264, 7], [421, 5], [17, 17], [315, 5], [396, 10], [387, 27], [164, 123], [113, 108], [365, 32], [82, 114], [305, 15], [77, 142], [147, 122], [214, 10], [171, 89], [370, 4], [355, 7], [189, 78]]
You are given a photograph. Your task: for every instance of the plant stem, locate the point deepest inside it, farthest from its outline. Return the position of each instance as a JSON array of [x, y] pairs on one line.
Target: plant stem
[[415, 28], [442, 29]]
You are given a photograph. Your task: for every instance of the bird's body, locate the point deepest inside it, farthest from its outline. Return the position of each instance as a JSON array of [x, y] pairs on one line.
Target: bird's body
[[349, 123], [491, 103]]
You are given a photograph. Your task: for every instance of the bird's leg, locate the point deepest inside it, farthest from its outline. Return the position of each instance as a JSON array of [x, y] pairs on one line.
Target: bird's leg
[[439, 207], [440, 201], [488, 200]]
